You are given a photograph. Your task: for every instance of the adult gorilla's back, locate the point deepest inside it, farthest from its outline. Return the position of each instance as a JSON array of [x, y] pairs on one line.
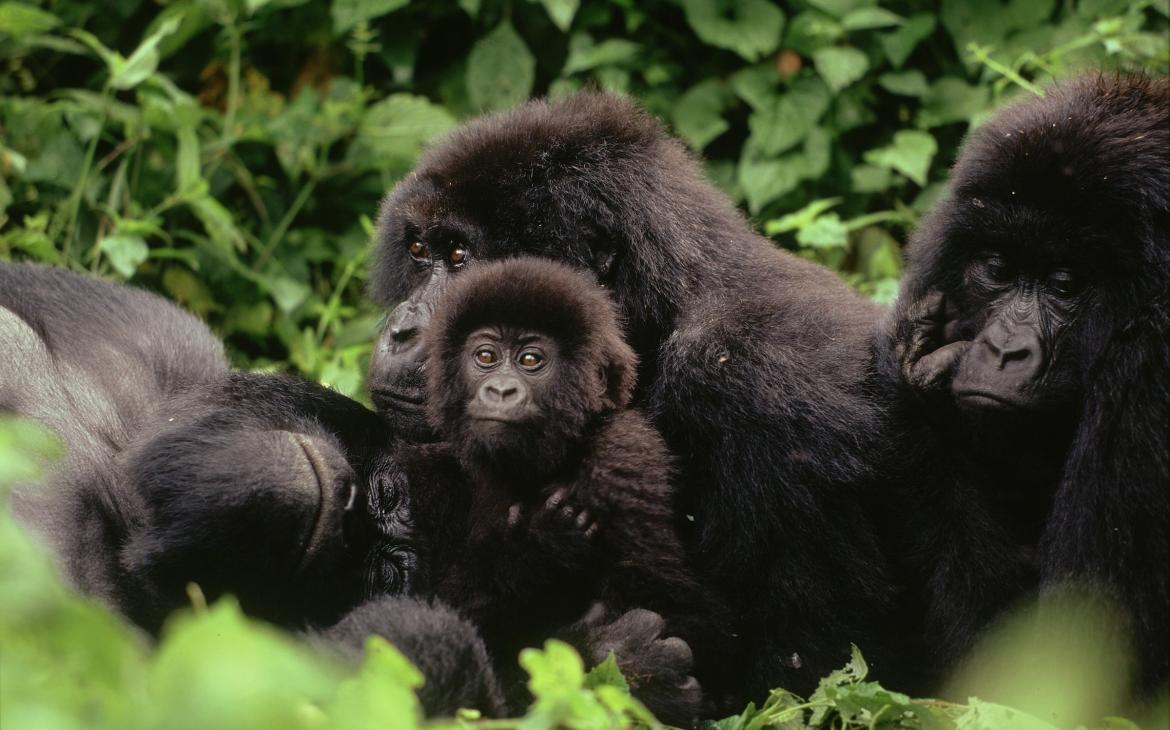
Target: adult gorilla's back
[[752, 359]]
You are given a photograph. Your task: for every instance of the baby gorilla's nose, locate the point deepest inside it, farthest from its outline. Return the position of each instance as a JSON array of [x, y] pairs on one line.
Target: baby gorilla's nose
[[502, 391]]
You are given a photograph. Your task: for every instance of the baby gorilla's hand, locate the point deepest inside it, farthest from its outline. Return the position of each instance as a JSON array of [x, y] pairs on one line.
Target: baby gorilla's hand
[[561, 527]]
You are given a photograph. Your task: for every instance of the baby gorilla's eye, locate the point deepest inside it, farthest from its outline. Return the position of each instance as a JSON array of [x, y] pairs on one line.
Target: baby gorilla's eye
[[531, 360], [419, 250], [485, 356], [998, 268], [457, 256]]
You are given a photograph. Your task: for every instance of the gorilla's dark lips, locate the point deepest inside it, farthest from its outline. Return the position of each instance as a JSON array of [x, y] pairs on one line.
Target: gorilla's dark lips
[[985, 399], [411, 399]]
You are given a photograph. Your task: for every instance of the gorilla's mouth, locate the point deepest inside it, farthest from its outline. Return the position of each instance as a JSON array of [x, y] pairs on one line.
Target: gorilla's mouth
[[399, 399], [987, 400]]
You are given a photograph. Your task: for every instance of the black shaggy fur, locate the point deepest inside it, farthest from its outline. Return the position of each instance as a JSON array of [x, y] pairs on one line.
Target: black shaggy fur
[[575, 505], [1072, 483], [180, 470], [751, 360]]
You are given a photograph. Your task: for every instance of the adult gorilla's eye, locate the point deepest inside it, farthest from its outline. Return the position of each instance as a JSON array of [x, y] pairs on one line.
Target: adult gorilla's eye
[[457, 256], [998, 268], [531, 360], [419, 250], [1063, 282], [485, 356]]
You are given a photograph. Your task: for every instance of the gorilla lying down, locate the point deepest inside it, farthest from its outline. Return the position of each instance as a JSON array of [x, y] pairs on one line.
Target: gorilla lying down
[[1030, 349], [299, 501]]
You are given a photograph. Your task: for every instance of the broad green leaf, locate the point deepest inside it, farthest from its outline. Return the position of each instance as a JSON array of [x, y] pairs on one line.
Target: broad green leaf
[[607, 674], [555, 670], [25, 447], [764, 181], [585, 54], [394, 131], [287, 293], [840, 8], [826, 232], [348, 13], [788, 120], [751, 28], [906, 83], [950, 100], [869, 179], [801, 218], [812, 30], [382, 694], [500, 69], [698, 114], [840, 66], [561, 12], [144, 60], [125, 252], [867, 18], [910, 154], [187, 167], [758, 85], [899, 44], [217, 221], [20, 19]]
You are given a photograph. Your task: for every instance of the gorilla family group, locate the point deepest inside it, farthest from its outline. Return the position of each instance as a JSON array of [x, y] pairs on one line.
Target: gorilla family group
[[609, 411]]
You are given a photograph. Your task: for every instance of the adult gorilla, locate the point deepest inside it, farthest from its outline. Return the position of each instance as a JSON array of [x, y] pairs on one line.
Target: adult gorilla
[[1031, 345], [751, 358]]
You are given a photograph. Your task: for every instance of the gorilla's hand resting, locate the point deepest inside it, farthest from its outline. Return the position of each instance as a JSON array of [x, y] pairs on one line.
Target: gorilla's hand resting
[[927, 350], [657, 667]]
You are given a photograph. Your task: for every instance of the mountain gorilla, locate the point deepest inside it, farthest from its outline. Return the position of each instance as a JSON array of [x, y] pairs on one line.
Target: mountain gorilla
[[561, 495], [179, 470], [1032, 343], [751, 359]]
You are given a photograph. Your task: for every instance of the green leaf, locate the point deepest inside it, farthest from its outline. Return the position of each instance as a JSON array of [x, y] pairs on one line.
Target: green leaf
[[500, 69], [125, 252], [751, 28], [952, 100], [867, 18], [840, 66], [801, 218], [348, 13], [187, 168], [25, 447], [906, 83], [607, 674], [869, 179], [555, 670], [144, 60], [382, 694], [826, 232], [757, 85], [394, 131], [788, 120], [561, 12], [698, 114], [19, 20], [910, 154], [899, 44], [840, 8], [766, 180], [585, 54]]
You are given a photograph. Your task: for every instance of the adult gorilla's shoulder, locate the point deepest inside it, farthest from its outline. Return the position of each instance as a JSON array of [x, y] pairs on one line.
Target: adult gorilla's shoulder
[[752, 361]]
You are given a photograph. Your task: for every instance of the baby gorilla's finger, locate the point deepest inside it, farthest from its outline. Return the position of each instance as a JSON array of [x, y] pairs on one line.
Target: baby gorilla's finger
[[555, 499], [592, 530], [515, 512]]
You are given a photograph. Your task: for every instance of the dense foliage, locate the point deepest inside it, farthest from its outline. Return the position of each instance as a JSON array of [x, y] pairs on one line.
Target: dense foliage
[[231, 153], [67, 663]]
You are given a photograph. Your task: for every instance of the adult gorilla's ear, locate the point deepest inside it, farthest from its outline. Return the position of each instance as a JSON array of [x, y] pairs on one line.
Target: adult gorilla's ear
[[619, 372]]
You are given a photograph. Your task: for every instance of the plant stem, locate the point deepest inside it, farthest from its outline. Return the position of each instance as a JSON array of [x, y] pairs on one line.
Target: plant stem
[[286, 221]]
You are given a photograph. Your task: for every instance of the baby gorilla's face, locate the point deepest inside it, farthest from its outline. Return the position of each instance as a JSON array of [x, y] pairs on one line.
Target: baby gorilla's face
[[508, 375]]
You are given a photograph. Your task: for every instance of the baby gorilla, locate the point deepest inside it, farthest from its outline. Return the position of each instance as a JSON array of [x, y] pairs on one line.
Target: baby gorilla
[[559, 495]]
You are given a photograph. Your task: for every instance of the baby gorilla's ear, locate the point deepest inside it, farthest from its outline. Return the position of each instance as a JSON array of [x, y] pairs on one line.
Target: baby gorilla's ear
[[619, 372]]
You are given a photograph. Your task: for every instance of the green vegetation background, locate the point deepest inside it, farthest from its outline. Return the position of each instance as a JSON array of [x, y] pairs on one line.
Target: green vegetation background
[[231, 155]]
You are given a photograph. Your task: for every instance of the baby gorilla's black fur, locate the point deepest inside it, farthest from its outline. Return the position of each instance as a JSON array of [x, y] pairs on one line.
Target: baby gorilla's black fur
[[1031, 348], [562, 494], [179, 470]]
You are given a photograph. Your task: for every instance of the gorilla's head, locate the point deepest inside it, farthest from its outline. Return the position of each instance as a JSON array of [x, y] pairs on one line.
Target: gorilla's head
[[1052, 242], [592, 181], [524, 356]]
